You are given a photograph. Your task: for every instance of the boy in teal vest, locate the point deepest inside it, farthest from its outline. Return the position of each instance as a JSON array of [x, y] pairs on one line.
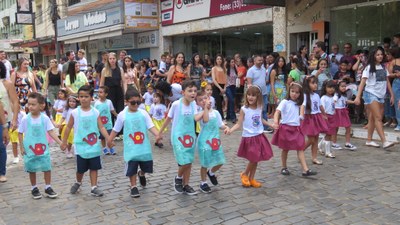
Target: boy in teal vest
[[86, 123], [137, 147], [35, 147]]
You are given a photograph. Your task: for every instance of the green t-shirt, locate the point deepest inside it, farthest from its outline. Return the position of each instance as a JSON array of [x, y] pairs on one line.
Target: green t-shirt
[[295, 74], [79, 82]]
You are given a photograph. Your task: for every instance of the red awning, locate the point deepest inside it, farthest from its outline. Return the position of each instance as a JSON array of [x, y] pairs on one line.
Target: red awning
[[28, 44]]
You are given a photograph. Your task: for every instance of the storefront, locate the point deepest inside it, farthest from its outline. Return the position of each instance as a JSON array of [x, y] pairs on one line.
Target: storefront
[[221, 26]]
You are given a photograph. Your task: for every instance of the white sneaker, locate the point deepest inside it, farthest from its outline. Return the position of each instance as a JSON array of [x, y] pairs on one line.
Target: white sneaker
[[16, 160], [387, 144], [397, 129], [350, 147], [372, 144], [69, 155], [336, 147]]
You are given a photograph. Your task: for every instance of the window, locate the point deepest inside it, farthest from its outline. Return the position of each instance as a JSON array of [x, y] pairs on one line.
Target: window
[[73, 2]]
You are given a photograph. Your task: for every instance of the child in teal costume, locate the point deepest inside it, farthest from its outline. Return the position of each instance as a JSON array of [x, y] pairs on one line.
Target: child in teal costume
[[137, 147], [86, 123], [209, 147], [35, 148], [183, 113]]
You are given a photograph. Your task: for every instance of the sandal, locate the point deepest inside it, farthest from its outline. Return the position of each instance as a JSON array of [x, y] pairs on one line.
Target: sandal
[[330, 155], [309, 173], [393, 125], [255, 183], [317, 162], [285, 171], [386, 124], [245, 180]]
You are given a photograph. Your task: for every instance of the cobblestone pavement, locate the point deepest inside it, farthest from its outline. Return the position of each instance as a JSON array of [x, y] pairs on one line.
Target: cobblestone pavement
[[360, 187]]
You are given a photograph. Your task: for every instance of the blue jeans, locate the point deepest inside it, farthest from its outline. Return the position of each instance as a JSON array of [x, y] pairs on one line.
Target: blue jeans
[[389, 109], [230, 94], [396, 91], [265, 109], [3, 154]]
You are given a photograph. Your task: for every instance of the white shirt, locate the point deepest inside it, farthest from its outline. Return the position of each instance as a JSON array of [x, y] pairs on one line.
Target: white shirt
[[83, 61], [315, 103], [157, 111], [174, 113], [48, 125], [252, 123], [290, 112], [212, 115], [90, 113], [176, 90], [67, 114], [376, 82], [8, 66], [148, 98], [329, 104], [60, 104], [21, 114], [108, 101], [163, 66], [119, 123], [340, 103], [212, 99]]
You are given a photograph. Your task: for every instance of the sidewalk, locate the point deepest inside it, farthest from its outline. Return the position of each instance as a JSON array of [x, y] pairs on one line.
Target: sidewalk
[[357, 131]]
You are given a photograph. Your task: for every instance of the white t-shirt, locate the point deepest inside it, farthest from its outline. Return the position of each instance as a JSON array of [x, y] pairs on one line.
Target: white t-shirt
[[8, 66], [60, 104], [48, 125], [315, 103], [21, 114], [376, 82], [158, 111], [290, 112], [83, 61], [212, 114], [212, 99], [67, 114], [90, 113], [119, 123], [148, 98], [329, 104], [163, 66], [108, 101], [252, 123], [340, 103], [174, 113], [176, 90]]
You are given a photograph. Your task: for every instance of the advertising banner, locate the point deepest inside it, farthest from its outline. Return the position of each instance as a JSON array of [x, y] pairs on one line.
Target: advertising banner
[[141, 14]]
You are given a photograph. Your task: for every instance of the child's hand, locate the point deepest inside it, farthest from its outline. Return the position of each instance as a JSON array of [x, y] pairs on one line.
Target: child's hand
[[63, 146], [275, 126], [227, 131], [325, 117], [158, 138], [110, 144], [22, 150]]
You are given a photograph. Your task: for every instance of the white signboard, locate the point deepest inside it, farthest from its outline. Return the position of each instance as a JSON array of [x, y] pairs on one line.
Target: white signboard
[[191, 10], [147, 39]]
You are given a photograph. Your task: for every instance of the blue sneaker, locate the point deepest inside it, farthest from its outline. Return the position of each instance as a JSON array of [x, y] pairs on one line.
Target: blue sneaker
[[106, 151], [112, 151]]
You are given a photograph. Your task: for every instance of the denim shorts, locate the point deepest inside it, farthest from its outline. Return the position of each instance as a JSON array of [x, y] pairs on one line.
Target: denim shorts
[[369, 98]]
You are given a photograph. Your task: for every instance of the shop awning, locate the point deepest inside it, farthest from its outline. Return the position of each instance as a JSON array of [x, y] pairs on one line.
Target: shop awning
[[266, 2], [26, 44]]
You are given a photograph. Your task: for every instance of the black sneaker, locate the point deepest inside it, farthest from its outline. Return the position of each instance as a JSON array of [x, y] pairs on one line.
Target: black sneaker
[[50, 193], [269, 130], [142, 179], [212, 178], [75, 188], [189, 190], [178, 186], [135, 192], [36, 193], [97, 192], [160, 145], [205, 188], [309, 173], [285, 171]]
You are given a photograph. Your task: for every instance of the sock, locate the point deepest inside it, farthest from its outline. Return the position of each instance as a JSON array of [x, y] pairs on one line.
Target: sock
[[34, 186], [211, 173], [133, 186], [107, 148], [47, 186], [327, 147], [93, 187], [203, 182], [178, 177], [347, 143], [80, 183]]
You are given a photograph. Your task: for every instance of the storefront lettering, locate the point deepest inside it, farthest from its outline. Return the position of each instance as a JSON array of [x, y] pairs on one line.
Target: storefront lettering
[[94, 18], [187, 3], [235, 5], [71, 25]]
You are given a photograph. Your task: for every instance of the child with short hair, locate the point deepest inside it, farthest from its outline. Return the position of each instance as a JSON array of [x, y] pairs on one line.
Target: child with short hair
[[72, 103], [105, 107], [35, 147], [137, 147], [148, 97], [157, 113], [14, 136], [86, 123], [183, 113]]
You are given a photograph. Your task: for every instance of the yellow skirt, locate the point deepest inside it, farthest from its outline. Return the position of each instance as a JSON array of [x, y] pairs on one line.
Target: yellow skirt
[[158, 124], [58, 118], [13, 136], [147, 107], [198, 128], [71, 135]]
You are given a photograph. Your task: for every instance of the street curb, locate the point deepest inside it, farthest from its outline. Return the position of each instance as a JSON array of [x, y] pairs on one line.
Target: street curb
[[362, 134]]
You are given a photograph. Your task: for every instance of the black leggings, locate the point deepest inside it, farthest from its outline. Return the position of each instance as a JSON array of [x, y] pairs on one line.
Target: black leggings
[[219, 98], [116, 95]]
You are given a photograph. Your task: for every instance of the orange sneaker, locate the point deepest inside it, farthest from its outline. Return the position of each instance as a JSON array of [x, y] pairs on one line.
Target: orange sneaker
[[245, 180], [255, 183]]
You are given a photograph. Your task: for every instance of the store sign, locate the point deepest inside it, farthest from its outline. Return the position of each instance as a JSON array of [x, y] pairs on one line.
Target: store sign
[[187, 10], [89, 21], [93, 47], [141, 13], [147, 39], [125, 41]]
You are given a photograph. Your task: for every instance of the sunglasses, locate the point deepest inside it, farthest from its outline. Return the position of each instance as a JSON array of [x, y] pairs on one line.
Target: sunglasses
[[135, 102]]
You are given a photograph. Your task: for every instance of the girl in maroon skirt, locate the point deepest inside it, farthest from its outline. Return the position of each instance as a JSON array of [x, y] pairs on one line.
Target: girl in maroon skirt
[[342, 118], [288, 135], [254, 145], [313, 123], [328, 104]]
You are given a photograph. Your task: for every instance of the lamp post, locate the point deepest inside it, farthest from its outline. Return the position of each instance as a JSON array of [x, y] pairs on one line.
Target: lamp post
[[54, 17]]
